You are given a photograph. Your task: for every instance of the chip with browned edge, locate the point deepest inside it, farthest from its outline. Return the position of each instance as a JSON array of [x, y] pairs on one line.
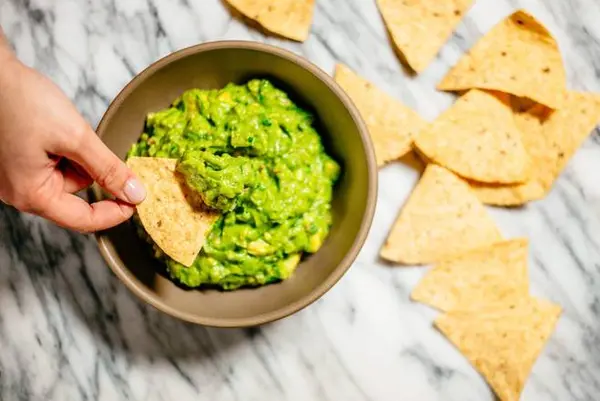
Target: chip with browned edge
[[441, 218], [392, 125], [487, 277], [503, 344], [478, 139], [517, 56], [289, 18], [551, 138], [419, 28], [173, 216]]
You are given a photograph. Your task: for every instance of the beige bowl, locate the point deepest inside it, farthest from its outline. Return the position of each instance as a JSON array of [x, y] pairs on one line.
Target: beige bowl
[[213, 65]]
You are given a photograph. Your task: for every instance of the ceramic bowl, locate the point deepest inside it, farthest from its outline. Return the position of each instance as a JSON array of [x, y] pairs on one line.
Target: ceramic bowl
[[213, 65]]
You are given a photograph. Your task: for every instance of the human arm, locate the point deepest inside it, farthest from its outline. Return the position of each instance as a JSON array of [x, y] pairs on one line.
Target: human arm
[[48, 152]]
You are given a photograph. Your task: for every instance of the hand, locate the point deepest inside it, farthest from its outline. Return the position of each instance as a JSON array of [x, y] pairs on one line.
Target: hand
[[48, 152]]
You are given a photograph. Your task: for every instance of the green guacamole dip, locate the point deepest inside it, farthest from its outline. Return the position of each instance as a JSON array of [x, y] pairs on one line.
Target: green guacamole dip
[[252, 154]]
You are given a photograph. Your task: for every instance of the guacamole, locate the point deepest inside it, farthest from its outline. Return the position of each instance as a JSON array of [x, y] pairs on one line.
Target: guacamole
[[255, 156]]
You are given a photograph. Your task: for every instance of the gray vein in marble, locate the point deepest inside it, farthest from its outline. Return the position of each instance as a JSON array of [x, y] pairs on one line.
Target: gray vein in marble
[[69, 330]]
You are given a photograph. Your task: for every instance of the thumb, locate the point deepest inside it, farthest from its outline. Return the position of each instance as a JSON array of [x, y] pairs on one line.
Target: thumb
[[110, 172]]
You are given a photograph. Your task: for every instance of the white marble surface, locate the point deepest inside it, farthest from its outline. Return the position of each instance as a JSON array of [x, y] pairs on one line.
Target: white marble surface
[[69, 330]]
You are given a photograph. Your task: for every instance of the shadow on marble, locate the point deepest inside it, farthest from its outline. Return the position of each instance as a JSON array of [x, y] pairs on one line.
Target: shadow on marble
[[406, 69], [412, 160], [62, 273]]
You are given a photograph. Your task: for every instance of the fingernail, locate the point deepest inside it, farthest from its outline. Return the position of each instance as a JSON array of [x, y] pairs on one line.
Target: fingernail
[[127, 210], [134, 191]]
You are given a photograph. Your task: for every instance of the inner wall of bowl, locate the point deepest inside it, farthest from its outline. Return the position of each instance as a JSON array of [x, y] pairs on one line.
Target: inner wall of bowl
[[214, 69]]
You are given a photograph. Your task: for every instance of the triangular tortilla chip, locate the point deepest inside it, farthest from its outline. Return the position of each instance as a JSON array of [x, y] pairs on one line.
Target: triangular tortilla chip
[[503, 344], [441, 218], [289, 18], [478, 139], [492, 276], [517, 56], [392, 125], [550, 142], [172, 215], [419, 29]]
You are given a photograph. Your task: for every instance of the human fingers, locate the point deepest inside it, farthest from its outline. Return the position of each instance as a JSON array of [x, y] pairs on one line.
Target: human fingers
[[70, 211], [74, 181], [110, 172]]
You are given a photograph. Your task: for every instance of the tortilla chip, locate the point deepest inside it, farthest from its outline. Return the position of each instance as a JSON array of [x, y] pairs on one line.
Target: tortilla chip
[[392, 125], [419, 28], [172, 215], [517, 56], [503, 344], [487, 277], [551, 138], [289, 18], [441, 218], [478, 139]]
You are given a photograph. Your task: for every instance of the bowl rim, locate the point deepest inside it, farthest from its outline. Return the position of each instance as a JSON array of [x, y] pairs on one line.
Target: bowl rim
[[129, 280]]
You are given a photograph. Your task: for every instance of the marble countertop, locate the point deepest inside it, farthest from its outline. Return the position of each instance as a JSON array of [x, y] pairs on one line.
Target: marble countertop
[[69, 330]]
